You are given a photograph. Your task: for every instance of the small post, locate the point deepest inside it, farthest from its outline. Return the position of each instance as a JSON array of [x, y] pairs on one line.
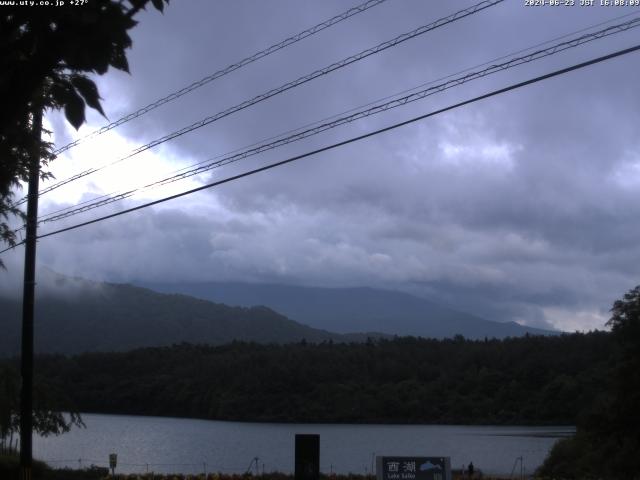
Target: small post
[[307, 457], [113, 462]]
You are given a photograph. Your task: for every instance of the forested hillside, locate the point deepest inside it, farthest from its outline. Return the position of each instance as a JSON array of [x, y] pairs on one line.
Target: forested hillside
[[76, 315], [529, 380]]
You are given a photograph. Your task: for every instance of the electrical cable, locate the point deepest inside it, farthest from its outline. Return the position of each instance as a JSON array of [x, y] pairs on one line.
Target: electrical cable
[[211, 164], [231, 68], [317, 122], [397, 94], [493, 93], [287, 86]]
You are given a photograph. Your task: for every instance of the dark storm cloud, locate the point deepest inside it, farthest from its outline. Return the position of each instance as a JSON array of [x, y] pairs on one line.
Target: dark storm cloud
[[521, 207]]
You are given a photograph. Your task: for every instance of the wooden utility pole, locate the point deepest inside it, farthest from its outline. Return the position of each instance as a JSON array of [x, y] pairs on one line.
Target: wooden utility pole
[[28, 300]]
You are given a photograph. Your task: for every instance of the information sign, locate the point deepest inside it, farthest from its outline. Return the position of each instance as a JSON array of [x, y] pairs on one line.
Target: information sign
[[413, 468]]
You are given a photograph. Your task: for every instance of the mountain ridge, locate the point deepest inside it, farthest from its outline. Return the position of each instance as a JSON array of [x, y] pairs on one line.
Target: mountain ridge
[[352, 309], [75, 315]]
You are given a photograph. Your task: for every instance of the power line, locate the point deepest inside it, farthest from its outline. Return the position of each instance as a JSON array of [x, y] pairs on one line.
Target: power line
[[287, 86], [352, 140], [263, 53], [220, 73], [345, 142], [298, 129], [211, 164]]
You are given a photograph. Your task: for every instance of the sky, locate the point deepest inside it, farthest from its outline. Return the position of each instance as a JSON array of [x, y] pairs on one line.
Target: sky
[[522, 207]]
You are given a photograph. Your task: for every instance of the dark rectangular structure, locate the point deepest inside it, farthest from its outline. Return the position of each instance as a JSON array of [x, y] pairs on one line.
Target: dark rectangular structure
[[307, 457]]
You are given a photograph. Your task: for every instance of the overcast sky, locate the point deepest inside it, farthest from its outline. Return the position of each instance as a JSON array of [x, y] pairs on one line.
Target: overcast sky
[[521, 207]]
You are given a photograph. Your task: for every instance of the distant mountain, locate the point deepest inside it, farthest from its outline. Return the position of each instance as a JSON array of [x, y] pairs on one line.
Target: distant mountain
[[75, 315], [345, 310]]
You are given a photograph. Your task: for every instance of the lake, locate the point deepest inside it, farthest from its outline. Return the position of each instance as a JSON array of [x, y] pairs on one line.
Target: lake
[[178, 445]]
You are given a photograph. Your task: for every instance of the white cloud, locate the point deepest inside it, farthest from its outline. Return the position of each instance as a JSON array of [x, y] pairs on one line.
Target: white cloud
[[572, 320]]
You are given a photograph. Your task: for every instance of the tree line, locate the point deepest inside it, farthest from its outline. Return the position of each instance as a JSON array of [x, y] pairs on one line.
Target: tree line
[[591, 380], [528, 380], [607, 441]]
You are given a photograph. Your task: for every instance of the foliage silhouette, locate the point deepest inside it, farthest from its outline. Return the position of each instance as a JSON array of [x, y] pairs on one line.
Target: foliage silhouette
[[529, 380], [607, 441], [48, 401], [46, 55]]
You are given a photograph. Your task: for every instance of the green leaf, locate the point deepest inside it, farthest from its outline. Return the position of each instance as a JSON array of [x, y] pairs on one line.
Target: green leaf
[[119, 61], [100, 66], [89, 92], [57, 93], [159, 4], [74, 107], [138, 3]]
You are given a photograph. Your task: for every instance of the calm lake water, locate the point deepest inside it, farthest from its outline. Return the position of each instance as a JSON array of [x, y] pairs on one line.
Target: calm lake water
[[168, 445]]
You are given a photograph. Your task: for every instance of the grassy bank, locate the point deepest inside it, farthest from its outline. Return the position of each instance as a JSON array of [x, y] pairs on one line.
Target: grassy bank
[[277, 476], [9, 470]]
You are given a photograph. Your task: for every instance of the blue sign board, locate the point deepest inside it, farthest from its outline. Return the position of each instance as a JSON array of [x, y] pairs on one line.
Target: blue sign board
[[413, 468]]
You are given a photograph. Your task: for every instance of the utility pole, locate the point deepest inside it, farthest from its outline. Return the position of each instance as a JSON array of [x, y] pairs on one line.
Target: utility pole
[[28, 300]]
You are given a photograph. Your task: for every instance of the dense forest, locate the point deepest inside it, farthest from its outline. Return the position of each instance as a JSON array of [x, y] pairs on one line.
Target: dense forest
[[528, 380], [83, 316], [607, 441]]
